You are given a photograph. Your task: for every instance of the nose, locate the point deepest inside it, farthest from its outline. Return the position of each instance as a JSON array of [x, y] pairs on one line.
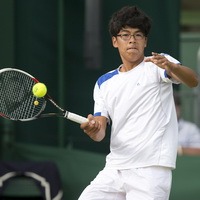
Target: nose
[[132, 38]]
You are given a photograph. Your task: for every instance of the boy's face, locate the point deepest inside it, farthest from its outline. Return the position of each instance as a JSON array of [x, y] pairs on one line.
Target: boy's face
[[131, 43]]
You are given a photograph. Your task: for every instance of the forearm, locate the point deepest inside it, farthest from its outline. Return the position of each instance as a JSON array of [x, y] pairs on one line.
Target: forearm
[[188, 151], [179, 72], [183, 74]]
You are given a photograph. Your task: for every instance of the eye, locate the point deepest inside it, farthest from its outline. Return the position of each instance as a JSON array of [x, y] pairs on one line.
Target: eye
[[139, 35], [125, 36]]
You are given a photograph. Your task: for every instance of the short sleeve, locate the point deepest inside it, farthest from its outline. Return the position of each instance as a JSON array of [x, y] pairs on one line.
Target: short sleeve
[[99, 104]]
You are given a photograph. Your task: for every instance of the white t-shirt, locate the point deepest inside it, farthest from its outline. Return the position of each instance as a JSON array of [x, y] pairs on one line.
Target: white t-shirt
[[141, 108], [189, 134]]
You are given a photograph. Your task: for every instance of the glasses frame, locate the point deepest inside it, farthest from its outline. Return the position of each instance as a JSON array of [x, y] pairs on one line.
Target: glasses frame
[[127, 36]]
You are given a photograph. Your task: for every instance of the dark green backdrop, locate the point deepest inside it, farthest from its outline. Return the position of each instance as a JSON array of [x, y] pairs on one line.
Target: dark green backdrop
[[46, 38], [48, 42]]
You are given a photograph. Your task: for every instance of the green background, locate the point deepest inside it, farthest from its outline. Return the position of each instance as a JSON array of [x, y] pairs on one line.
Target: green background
[[46, 39]]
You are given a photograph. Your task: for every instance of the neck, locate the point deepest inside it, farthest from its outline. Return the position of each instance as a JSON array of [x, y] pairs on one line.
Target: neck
[[127, 66]]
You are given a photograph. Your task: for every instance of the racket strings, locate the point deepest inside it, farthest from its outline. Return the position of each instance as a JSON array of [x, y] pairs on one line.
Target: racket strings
[[16, 98]]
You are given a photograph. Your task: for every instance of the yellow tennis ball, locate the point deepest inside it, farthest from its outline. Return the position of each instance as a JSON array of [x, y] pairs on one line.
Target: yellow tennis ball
[[39, 90], [36, 103]]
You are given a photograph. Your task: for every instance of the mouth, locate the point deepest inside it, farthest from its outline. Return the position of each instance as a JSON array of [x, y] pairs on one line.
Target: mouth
[[131, 49]]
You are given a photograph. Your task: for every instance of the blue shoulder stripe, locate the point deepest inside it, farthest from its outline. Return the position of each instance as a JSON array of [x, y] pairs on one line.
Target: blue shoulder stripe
[[97, 114], [106, 76]]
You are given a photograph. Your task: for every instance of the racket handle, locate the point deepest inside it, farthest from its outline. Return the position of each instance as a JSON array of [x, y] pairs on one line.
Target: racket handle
[[76, 118]]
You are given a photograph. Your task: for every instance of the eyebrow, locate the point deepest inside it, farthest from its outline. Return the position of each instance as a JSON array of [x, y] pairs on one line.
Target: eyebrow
[[126, 30]]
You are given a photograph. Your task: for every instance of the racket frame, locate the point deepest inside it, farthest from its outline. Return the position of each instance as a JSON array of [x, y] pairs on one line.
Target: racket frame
[[66, 114]]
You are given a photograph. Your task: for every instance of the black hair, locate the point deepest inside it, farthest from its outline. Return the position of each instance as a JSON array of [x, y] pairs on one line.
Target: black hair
[[129, 16]]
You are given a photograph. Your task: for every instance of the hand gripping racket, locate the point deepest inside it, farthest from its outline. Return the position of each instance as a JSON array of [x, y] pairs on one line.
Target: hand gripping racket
[[17, 99]]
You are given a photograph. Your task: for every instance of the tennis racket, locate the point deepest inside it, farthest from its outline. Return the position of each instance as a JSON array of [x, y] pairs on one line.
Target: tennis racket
[[17, 101]]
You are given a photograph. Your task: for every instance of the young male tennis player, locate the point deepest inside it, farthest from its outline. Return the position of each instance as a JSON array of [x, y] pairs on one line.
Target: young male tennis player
[[137, 100]]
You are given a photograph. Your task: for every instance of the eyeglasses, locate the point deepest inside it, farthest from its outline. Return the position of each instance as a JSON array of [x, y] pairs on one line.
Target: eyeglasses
[[127, 36]]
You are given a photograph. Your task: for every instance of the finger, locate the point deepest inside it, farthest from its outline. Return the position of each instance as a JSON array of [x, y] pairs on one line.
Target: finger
[[154, 54], [148, 59], [83, 125], [91, 126], [91, 131], [90, 117]]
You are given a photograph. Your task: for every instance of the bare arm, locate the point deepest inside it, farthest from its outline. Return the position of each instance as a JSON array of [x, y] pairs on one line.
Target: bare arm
[[95, 128], [189, 151], [179, 72]]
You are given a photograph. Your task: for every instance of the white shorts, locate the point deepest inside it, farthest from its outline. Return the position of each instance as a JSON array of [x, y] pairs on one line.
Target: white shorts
[[149, 183]]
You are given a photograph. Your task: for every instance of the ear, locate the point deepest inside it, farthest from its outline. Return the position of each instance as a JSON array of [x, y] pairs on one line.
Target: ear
[[114, 42]]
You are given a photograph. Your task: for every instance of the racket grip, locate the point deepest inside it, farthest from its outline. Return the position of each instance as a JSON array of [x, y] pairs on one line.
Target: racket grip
[[76, 118]]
